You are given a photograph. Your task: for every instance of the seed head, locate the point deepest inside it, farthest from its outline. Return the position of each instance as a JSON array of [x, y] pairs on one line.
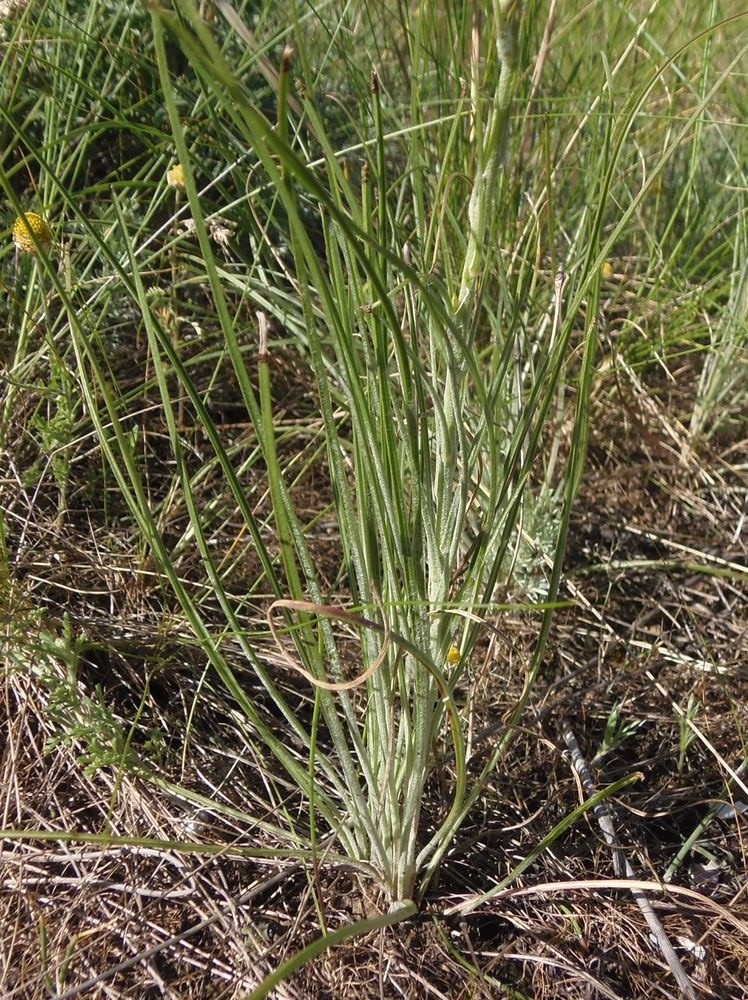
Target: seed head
[[31, 231]]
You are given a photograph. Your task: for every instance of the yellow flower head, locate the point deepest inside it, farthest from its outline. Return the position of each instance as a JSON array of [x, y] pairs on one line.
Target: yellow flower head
[[453, 655], [175, 177], [31, 231]]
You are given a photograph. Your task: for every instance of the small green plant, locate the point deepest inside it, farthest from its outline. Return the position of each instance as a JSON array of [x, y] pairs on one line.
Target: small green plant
[[723, 386], [83, 721], [53, 420], [617, 730], [687, 734]]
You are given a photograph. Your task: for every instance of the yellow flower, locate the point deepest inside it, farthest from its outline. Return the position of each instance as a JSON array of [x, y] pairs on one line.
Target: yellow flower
[[453, 655], [31, 231], [607, 270], [175, 177]]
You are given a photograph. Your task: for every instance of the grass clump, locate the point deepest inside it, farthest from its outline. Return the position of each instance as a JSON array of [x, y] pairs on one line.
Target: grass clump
[[313, 366]]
